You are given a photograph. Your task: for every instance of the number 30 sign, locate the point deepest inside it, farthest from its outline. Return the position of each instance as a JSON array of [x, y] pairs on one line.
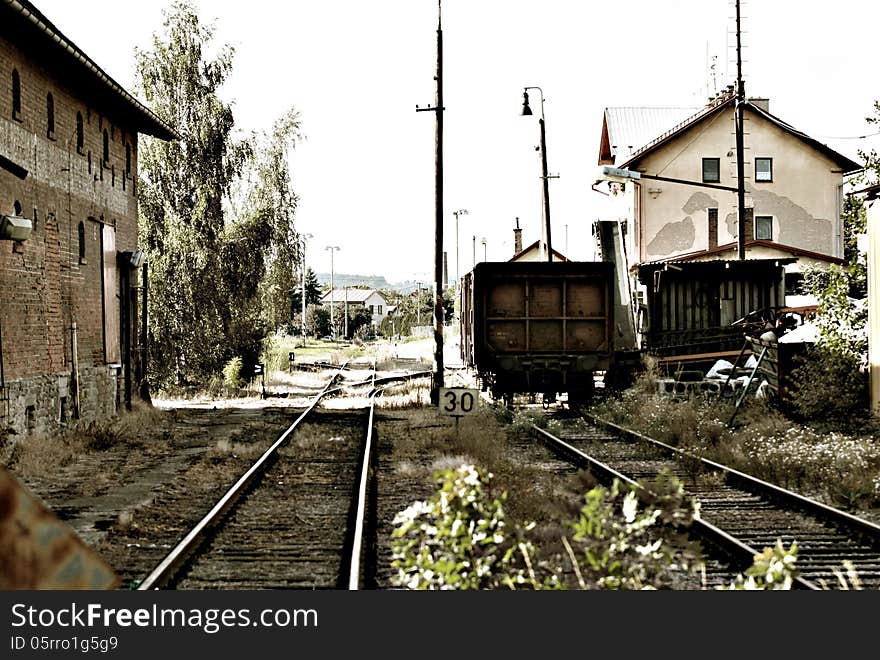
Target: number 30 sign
[[458, 401]]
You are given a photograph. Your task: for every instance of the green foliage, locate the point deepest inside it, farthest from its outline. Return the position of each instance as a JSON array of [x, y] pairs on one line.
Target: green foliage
[[830, 386], [216, 214], [459, 539], [233, 375], [317, 321], [771, 570], [622, 543]]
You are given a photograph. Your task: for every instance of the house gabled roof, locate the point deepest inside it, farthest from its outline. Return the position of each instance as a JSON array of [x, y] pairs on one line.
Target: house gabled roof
[[26, 26], [848, 165], [558, 256], [353, 295], [626, 129]]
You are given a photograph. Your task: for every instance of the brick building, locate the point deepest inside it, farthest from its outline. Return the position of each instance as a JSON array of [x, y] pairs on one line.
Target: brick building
[[70, 328]]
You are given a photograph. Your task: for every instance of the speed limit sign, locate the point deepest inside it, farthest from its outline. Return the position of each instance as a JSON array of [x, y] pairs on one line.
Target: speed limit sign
[[458, 401]]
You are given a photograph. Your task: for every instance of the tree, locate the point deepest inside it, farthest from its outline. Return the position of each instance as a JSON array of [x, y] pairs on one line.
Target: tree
[[195, 322], [271, 205]]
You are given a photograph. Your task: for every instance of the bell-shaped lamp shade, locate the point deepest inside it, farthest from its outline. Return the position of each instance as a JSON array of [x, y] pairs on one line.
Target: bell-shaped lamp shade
[[526, 110]]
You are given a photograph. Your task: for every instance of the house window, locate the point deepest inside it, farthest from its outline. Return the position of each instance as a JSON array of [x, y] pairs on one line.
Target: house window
[[711, 170], [379, 309], [372, 309], [16, 95], [50, 116], [80, 135], [763, 169], [764, 227]]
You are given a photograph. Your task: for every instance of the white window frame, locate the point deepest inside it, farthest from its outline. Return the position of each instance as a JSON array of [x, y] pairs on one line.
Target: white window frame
[[769, 161]]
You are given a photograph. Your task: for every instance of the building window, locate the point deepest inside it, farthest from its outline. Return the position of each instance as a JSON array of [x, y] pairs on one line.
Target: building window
[[16, 208], [80, 134], [127, 160], [81, 234], [379, 309], [763, 169], [50, 116], [106, 153], [16, 95], [764, 227], [711, 170], [372, 309]]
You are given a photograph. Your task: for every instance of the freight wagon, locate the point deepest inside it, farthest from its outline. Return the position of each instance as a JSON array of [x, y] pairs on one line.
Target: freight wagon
[[538, 327]]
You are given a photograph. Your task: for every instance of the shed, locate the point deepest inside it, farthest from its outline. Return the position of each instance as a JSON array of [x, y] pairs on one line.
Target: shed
[[700, 310]]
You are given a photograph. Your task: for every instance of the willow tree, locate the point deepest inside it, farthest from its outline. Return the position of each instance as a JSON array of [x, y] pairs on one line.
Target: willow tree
[[183, 184]]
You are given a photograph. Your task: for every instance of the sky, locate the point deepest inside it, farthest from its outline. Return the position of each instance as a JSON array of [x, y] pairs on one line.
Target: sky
[[356, 70]]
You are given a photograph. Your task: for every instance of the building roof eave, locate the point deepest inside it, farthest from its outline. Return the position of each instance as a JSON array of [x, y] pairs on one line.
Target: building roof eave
[[29, 16]]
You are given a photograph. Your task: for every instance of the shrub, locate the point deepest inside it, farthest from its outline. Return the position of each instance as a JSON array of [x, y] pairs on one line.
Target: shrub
[[830, 385], [232, 374], [459, 539], [628, 544]]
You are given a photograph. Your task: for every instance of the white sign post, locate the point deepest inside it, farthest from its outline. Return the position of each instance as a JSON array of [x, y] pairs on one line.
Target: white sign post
[[458, 402]]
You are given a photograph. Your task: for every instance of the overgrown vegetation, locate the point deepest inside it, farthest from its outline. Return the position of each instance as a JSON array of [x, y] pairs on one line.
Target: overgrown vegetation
[[460, 538], [841, 468]]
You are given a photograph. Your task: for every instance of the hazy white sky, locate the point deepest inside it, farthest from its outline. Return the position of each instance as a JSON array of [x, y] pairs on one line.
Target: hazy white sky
[[356, 70]]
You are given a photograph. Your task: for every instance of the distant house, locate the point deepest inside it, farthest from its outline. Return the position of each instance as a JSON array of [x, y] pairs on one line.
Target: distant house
[[368, 298], [537, 251]]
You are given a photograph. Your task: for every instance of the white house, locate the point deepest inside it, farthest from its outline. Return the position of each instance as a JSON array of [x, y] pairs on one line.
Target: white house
[[369, 298]]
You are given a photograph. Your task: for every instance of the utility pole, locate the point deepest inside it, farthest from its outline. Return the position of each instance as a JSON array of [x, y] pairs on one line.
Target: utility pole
[[438, 220], [740, 157], [304, 238], [332, 248]]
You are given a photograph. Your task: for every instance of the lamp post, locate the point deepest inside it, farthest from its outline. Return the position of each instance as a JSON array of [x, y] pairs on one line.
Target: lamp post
[[484, 249], [304, 238], [526, 112], [332, 248], [474, 256], [456, 214], [345, 332]]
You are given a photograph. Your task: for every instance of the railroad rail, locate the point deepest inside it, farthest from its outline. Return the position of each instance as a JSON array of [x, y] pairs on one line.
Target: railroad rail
[[335, 472], [739, 514]]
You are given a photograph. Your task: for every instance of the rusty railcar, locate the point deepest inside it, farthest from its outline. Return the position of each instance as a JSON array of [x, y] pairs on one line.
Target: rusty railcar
[[538, 327]]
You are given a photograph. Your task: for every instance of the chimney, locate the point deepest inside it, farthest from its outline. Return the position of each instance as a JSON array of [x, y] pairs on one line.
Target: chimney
[[764, 104], [517, 239]]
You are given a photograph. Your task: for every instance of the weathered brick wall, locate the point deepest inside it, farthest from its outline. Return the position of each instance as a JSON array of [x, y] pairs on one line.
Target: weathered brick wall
[[44, 284]]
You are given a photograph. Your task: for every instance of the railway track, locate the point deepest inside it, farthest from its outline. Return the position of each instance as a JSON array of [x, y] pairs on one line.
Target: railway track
[[740, 515], [297, 518]]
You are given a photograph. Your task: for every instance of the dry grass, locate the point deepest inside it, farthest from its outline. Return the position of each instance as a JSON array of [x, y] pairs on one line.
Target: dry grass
[[41, 456]]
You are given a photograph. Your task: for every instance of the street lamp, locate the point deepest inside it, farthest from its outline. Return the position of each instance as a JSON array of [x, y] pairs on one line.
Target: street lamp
[[527, 112], [332, 248], [484, 249], [456, 214], [304, 238], [474, 256]]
